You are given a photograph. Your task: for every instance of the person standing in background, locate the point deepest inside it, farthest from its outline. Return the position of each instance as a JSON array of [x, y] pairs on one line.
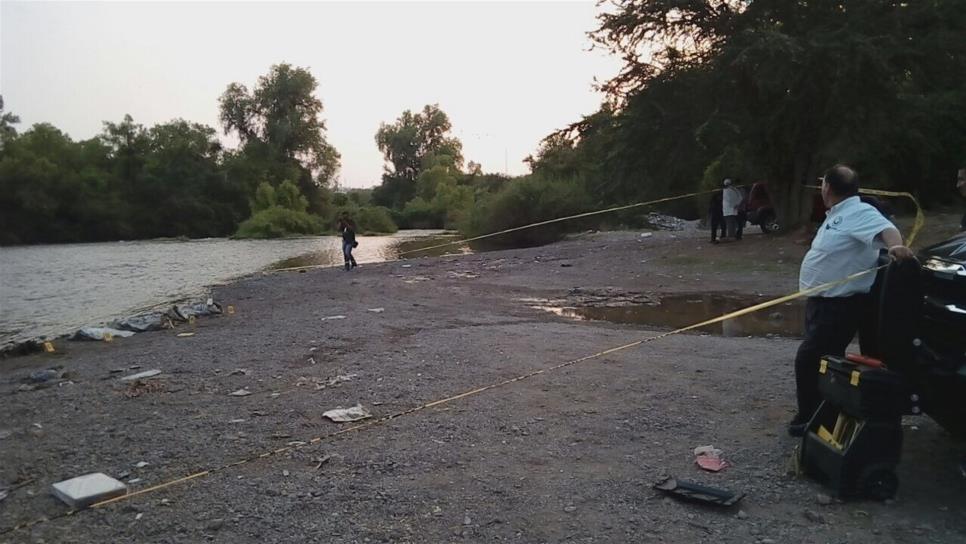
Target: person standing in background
[[716, 217], [730, 199]]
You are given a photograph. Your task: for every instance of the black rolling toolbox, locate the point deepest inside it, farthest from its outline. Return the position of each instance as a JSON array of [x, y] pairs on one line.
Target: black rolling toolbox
[[854, 441]]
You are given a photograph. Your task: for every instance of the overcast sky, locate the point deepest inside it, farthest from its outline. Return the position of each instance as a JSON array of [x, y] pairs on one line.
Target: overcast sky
[[506, 73]]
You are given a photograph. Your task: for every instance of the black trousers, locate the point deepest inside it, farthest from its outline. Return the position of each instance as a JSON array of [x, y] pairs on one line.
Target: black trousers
[[830, 325], [717, 221]]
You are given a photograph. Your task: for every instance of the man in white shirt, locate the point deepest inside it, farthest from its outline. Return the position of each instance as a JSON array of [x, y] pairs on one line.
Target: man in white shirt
[[730, 199], [848, 242]]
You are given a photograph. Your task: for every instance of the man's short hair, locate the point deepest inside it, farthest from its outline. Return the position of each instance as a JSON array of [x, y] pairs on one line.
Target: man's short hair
[[842, 180]]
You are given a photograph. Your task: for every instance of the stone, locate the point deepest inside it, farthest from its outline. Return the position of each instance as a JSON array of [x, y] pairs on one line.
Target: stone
[[240, 393], [215, 525], [141, 375], [823, 499], [742, 514], [570, 508], [813, 516], [88, 489]]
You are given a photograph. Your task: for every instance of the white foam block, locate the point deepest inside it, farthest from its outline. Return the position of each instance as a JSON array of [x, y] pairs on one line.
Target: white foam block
[[87, 489]]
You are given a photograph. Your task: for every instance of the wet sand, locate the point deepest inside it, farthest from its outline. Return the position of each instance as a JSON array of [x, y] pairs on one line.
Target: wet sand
[[565, 456]]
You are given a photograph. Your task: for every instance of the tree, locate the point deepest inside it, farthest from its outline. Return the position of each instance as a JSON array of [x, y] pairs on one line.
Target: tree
[[413, 143], [793, 86], [279, 124], [7, 122]]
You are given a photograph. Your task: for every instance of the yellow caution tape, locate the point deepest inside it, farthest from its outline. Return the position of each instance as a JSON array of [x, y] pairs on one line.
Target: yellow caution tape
[[478, 390], [920, 220], [515, 229]]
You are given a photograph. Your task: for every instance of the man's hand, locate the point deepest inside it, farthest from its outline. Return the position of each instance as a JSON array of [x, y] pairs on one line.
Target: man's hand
[[900, 253]]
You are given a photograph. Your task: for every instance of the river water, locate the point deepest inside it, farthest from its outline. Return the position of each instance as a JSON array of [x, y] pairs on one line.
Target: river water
[[50, 290]]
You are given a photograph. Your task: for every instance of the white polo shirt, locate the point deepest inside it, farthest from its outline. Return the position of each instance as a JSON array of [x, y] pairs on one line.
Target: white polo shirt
[[845, 244]]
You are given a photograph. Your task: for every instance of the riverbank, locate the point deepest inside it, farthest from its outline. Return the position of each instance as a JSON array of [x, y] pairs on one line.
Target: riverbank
[[566, 456]]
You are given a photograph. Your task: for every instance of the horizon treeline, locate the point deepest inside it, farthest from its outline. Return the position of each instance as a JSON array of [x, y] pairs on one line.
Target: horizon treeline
[[765, 91]]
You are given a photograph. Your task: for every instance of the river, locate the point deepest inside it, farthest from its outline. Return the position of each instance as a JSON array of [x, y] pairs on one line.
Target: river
[[51, 290]]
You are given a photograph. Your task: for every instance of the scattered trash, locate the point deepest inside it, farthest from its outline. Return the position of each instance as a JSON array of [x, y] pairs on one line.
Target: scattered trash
[[699, 493], [141, 464], [333, 317], [100, 333], [42, 376], [185, 334], [709, 458], [240, 393], [188, 311], [139, 516], [665, 222], [345, 415], [141, 375], [85, 490], [407, 266], [376, 310], [134, 481], [154, 321], [321, 461], [236, 421], [647, 234], [49, 347], [823, 499], [231, 310], [285, 473]]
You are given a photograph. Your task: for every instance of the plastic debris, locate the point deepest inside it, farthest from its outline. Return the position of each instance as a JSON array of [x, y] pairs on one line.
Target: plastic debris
[[154, 321], [240, 393], [141, 375], [333, 317], [100, 333], [696, 492], [87, 489], [185, 334], [345, 415], [710, 458], [377, 310]]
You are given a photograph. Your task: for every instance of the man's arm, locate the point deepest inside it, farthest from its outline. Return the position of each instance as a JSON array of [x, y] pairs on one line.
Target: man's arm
[[893, 241]]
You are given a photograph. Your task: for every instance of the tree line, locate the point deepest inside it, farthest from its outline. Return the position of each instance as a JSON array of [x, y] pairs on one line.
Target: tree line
[[765, 90]]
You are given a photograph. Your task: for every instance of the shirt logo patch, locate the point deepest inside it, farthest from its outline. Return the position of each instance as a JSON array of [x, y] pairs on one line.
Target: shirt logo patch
[[837, 220]]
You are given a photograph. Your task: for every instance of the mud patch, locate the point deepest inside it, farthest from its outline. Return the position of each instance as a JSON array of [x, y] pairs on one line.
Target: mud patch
[[675, 311]]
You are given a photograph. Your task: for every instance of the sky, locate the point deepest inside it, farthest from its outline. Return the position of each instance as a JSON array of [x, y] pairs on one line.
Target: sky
[[507, 74]]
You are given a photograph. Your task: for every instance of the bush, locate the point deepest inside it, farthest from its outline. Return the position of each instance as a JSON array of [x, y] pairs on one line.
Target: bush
[[278, 222], [375, 219], [368, 219], [527, 200]]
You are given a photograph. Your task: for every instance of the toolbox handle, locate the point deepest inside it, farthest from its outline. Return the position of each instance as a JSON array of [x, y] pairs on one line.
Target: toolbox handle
[[864, 360]]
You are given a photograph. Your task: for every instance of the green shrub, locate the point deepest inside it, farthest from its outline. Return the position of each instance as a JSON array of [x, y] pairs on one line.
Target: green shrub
[[527, 200], [278, 222], [375, 220]]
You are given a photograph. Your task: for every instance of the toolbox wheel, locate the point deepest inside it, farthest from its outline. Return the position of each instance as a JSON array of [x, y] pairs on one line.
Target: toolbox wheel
[[878, 482]]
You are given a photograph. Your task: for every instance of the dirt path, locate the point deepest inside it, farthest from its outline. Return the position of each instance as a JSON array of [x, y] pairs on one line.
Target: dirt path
[[567, 456]]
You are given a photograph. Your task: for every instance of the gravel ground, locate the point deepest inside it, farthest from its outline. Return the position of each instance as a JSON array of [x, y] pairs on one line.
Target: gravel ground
[[565, 456]]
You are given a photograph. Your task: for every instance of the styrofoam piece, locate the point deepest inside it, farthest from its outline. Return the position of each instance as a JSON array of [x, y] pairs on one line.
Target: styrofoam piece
[[87, 489]]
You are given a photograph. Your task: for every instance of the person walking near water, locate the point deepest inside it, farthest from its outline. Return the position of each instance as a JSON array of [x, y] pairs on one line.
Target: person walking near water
[[848, 242], [348, 230], [730, 200]]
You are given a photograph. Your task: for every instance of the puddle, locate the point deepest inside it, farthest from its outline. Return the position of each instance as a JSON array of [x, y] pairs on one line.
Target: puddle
[[675, 311]]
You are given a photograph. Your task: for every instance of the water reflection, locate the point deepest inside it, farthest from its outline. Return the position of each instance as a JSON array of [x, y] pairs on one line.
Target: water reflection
[[677, 311], [54, 289], [404, 245]]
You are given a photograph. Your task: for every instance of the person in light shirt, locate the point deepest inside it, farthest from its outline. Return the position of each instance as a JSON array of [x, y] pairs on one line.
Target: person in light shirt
[[847, 242]]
